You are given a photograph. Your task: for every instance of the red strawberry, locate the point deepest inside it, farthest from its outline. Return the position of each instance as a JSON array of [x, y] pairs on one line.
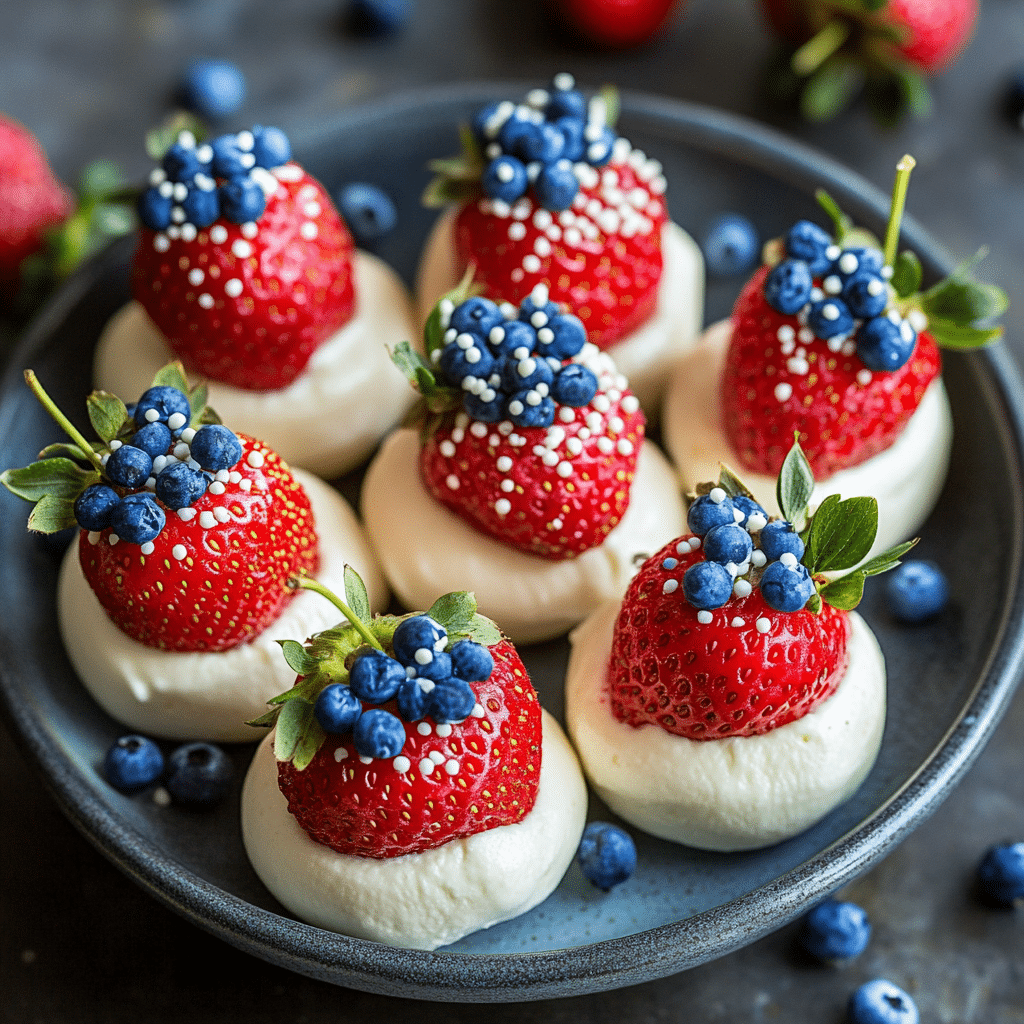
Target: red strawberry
[[843, 412], [31, 199], [458, 779], [745, 671], [248, 303], [615, 23]]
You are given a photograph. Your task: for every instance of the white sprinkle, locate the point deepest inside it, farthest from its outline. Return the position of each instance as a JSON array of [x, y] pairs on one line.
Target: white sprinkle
[[426, 766], [207, 520], [178, 552], [605, 445], [517, 231], [250, 229], [503, 506], [763, 624], [704, 617], [186, 515], [206, 301], [147, 548], [798, 366], [788, 559], [508, 486], [918, 320], [94, 537], [574, 446], [245, 485], [477, 712], [233, 288], [452, 481], [758, 558], [176, 420], [531, 263], [423, 728], [741, 588], [161, 797], [426, 685], [451, 766], [423, 656], [832, 285], [864, 377], [832, 252], [161, 243], [564, 469], [550, 458], [478, 429], [717, 495], [217, 487], [670, 586], [447, 449], [444, 729], [255, 459], [783, 391], [436, 756], [738, 622], [196, 277], [806, 335], [189, 232], [624, 446], [555, 524], [504, 464], [309, 230], [401, 764], [218, 234], [756, 522]]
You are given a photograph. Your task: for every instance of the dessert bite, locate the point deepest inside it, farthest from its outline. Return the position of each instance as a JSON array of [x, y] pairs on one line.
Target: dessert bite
[[545, 193], [530, 481], [246, 273], [412, 790], [174, 595], [832, 340], [733, 698]]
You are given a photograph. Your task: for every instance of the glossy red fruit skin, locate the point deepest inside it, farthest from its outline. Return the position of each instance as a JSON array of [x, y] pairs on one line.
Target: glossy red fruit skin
[[609, 281], [841, 422], [615, 23], [296, 290], [231, 585], [31, 199], [373, 810], [714, 681], [589, 503]]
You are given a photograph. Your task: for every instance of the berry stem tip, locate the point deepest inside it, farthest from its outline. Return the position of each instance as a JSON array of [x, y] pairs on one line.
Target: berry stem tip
[[303, 582], [61, 420], [899, 198]]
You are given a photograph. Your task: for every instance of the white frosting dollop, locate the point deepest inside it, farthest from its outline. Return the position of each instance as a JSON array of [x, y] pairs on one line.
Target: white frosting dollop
[[739, 793], [333, 415], [210, 695], [906, 478], [420, 900], [427, 550], [647, 355]]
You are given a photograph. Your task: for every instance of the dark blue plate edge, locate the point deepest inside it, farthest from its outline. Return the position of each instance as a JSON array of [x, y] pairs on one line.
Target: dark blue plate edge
[[661, 951]]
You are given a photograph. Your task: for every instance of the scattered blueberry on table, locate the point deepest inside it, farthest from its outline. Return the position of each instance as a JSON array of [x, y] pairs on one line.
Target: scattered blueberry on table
[[132, 763], [368, 212], [916, 591], [881, 1002], [378, 17], [1001, 874], [607, 854], [198, 774], [835, 931], [213, 88], [731, 245]]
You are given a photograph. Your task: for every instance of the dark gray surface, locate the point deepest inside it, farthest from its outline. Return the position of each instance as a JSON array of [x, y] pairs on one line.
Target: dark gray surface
[[79, 942]]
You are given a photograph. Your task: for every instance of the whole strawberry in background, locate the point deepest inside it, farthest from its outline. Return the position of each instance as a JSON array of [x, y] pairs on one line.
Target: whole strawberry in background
[[617, 24], [887, 48]]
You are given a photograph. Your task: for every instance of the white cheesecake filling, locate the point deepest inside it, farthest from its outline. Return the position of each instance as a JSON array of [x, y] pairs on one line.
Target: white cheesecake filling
[[647, 355], [739, 793], [906, 478], [426, 549], [419, 900], [333, 415], [209, 695]]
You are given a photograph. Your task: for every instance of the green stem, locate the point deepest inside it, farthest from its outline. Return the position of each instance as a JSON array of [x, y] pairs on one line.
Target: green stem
[[308, 583], [899, 198], [820, 47], [62, 421]]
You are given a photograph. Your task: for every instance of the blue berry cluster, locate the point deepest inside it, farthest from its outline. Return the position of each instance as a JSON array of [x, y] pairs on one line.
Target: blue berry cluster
[[535, 145], [515, 366], [728, 527], [194, 773], [198, 184], [424, 677], [852, 300], [152, 458]]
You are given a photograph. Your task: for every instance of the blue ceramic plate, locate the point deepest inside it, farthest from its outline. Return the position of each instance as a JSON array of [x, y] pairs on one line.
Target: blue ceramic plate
[[949, 682]]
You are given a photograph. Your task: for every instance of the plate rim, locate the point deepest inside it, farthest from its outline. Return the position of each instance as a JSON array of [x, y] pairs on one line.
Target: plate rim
[[641, 956]]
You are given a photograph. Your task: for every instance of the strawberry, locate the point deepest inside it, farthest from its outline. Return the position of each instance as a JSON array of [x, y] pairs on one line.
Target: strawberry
[[550, 196], [894, 44], [833, 341], [403, 734], [31, 200], [188, 531], [742, 626], [243, 263], [535, 435], [614, 23]]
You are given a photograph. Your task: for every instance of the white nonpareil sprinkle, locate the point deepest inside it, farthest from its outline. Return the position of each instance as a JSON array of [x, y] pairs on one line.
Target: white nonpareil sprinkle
[[206, 300], [309, 230], [508, 486], [625, 446], [788, 559], [452, 481], [186, 515], [704, 617], [401, 764], [798, 366], [423, 656], [178, 552], [196, 277], [147, 548], [717, 495], [670, 586], [233, 288], [444, 729], [737, 622], [741, 588], [426, 766], [207, 520], [630, 404], [503, 506], [423, 728], [564, 469], [436, 756], [763, 624], [783, 391], [758, 558], [864, 377], [451, 766], [340, 753], [504, 464], [255, 459], [447, 449], [176, 420], [217, 487]]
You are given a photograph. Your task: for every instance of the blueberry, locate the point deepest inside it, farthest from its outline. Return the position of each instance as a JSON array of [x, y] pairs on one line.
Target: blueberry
[[378, 18], [337, 708], [270, 146], [1001, 874], [607, 854], [133, 763], [530, 307], [128, 466], [137, 518], [509, 335], [885, 346], [518, 124], [835, 931], [367, 210], [829, 318], [731, 245], [857, 260], [787, 288], [476, 315], [866, 295], [229, 159], [181, 163], [599, 151], [419, 632], [556, 186], [567, 336], [438, 667], [542, 143], [881, 1002], [572, 129], [215, 447], [471, 661], [566, 103], [749, 508], [213, 88], [467, 356], [526, 374], [178, 485], [778, 537], [154, 209], [242, 200], [786, 588], [160, 403], [199, 774], [154, 439], [95, 506], [728, 543], [916, 591], [705, 514], [451, 700], [488, 120], [201, 206], [574, 385], [375, 677], [707, 585], [808, 242], [504, 178], [483, 408], [413, 699], [378, 734], [530, 409]]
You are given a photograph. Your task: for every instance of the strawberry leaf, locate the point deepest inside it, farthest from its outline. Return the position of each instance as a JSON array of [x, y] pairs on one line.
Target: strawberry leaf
[[172, 375], [438, 397], [731, 483], [66, 450], [795, 485], [56, 478], [887, 559], [160, 139], [951, 336], [962, 301], [841, 223], [107, 414], [52, 514], [266, 720], [831, 88], [437, 322], [299, 734], [454, 611], [356, 596], [906, 274], [612, 106], [844, 593], [299, 660], [841, 533], [484, 631]]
